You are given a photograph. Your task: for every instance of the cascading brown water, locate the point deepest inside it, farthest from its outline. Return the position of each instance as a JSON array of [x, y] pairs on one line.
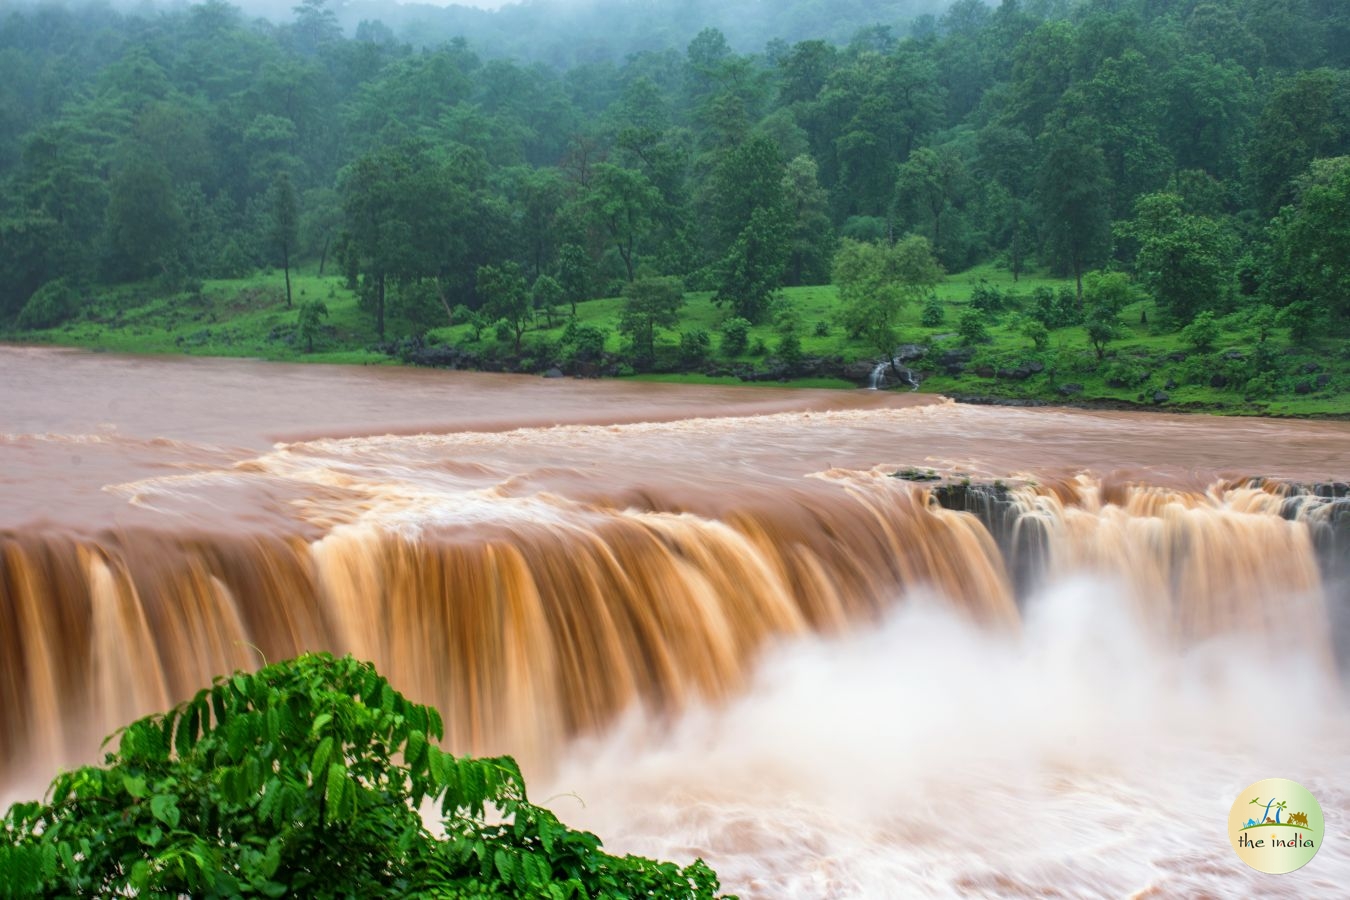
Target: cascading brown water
[[526, 634], [550, 564]]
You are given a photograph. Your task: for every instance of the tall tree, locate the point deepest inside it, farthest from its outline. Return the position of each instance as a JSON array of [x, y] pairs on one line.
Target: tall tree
[[811, 238], [877, 281], [1074, 194], [649, 304], [144, 221], [506, 296], [1185, 261], [285, 230], [927, 187], [372, 240], [1310, 245], [1306, 117], [1006, 157], [621, 203], [750, 217]]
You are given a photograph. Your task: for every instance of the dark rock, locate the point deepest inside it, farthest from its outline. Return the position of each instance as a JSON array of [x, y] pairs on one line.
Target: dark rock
[[1171, 384], [978, 400], [1022, 371], [897, 376], [1218, 380], [916, 475], [955, 356], [1309, 368], [1179, 356], [1160, 397], [1324, 379], [1234, 354], [985, 371], [1069, 390], [554, 372], [954, 369], [859, 372], [1117, 383], [910, 352], [1303, 387]]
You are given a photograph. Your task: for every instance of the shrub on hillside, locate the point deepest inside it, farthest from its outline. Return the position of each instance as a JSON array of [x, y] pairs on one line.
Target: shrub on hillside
[[1203, 332], [50, 305], [694, 346], [582, 343], [735, 335], [973, 327], [934, 312]]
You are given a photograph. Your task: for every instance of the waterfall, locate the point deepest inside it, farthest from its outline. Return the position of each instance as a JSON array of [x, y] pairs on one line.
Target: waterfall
[[540, 631], [878, 377]]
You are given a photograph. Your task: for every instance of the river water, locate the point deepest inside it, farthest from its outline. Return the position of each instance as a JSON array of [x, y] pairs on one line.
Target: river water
[[707, 619]]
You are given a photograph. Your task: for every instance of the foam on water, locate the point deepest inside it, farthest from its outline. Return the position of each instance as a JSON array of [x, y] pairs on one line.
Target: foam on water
[[931, 758]]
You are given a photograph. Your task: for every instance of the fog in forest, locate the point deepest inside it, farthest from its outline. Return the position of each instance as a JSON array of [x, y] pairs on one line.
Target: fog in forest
[[564, 32]]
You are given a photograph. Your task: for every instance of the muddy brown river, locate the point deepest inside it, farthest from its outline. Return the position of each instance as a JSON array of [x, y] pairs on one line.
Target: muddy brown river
[[710, 613]]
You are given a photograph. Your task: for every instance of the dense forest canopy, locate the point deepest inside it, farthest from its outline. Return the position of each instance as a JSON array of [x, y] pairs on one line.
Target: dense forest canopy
[[1198, 145]]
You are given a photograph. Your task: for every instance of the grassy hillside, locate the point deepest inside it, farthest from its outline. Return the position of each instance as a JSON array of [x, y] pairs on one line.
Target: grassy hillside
[[1142, 367]]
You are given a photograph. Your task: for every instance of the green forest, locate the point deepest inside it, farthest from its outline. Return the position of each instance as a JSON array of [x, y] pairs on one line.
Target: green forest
[[1139, 201]]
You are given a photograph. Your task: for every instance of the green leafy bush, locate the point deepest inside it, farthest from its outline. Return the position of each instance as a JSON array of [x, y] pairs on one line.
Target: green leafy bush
[[583, 343], [304, 780], [53, 303], [1037, 333], [1055, 309], [1203, 332], [972, 327], [694, 346], [309, 322], [735, 336], [1125, 373], [934, 312], [984, 296]]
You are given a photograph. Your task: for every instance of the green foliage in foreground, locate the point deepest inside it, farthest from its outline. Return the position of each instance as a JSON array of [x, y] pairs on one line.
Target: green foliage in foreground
[[285, 783]]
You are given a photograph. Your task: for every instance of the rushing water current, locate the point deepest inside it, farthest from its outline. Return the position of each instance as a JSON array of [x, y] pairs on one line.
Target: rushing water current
[[708, 620]]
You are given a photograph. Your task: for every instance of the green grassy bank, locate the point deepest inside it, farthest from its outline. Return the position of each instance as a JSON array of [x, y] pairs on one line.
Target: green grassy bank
[[1144, 366]]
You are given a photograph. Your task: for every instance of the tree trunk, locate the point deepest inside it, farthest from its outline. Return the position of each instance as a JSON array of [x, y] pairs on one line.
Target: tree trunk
[[626, 251], [445, 302], [286, 268], [379, 305], [323, 257]]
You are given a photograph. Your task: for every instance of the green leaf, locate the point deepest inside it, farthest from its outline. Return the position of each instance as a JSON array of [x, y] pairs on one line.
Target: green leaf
[[320, 722], [416, 753], [322, 753], [165, 808], [135, 786], [505, 866], [332, 792], [187, 731]]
